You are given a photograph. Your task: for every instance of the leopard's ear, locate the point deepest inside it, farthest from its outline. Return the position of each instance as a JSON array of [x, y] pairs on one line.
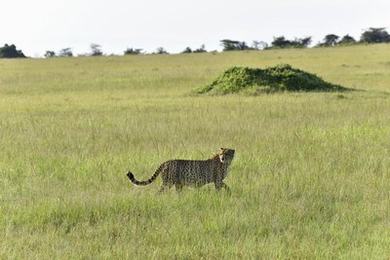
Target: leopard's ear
[[222, 150]]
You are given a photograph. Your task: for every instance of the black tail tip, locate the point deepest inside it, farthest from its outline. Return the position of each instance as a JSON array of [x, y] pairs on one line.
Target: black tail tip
[[130, 176]]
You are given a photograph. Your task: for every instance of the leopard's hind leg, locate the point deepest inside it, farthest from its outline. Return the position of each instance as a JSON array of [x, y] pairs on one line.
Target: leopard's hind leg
[[179, 187]]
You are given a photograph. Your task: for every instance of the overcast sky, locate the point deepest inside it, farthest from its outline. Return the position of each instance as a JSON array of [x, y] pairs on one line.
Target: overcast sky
[[39, 25]]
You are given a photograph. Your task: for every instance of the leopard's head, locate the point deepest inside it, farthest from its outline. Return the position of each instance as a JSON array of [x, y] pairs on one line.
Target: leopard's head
[[226, 155]]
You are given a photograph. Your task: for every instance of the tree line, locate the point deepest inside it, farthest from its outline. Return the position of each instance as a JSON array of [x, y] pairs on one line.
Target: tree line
[[372, 35], [369, 36]]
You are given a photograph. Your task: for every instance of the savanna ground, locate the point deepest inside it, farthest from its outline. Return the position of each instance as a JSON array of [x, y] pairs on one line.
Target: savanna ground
[[310, 179]]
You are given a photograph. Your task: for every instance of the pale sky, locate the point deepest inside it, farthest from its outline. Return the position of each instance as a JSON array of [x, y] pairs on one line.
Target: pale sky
[[35, 26]]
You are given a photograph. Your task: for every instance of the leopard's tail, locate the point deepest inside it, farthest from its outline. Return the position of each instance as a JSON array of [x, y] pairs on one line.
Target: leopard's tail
[[151, 179]]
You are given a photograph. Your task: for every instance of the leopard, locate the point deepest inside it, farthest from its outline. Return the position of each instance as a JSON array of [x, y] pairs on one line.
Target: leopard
[[195, 173]]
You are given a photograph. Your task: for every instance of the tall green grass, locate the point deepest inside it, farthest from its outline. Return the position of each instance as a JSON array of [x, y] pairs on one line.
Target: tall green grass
[[310, 179]]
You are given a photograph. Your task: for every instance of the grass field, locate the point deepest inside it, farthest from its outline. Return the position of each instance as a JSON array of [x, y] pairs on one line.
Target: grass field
[[310, 179]]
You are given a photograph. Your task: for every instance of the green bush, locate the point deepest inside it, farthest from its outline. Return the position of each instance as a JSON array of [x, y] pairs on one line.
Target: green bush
[[278, 78]]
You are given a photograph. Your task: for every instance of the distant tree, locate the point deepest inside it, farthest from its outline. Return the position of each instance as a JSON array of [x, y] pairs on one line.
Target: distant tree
[[282, 42], [96, 49], [10, 51], [132, 51], [50, 54], [66, 52], [243, 46], [201, 49], [301, 42], [187, 50], [255, 45], [330, 40], [161, 50], [231, 45], [347, 40], [259, 45], [375, 35]]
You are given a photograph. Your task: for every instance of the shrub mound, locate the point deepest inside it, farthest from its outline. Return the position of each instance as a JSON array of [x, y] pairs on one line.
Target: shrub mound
[[272, 79]]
